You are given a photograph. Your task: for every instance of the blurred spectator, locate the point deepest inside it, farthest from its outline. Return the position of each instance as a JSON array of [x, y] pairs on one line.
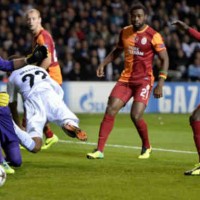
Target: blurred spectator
[[68, 63], [75, 74], [194, 68], [79, 27]]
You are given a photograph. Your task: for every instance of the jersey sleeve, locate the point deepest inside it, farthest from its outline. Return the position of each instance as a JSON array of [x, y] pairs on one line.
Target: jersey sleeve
[[194, 33], [41, 40], [44, 40], [158, 43], [6, 65]]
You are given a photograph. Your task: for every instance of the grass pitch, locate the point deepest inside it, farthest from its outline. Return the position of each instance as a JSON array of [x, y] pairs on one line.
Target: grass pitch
[[63, 172]]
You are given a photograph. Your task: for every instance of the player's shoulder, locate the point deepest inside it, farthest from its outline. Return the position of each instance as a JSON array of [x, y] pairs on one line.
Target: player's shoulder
[[45, 33], [127, 28], [151, 31]]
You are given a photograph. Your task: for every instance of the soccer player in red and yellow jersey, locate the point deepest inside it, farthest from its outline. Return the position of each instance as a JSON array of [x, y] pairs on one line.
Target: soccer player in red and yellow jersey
[[140, 43], [43, 37], [195, 117]]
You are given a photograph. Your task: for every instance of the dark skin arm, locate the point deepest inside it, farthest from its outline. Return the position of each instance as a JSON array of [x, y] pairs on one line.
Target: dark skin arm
[[109, 58], [20, 62], [183, 26], [158, 90], [15, 114]]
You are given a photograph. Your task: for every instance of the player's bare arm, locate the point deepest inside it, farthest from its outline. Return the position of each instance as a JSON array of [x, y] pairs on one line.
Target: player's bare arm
[[194, 33], [38, 55], [158, 90], [15, 114], [19, 62], [181, 25], [46, 62], [109, 58]]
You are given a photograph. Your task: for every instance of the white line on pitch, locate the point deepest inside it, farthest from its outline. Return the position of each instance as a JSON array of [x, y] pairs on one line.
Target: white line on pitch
[[128, 147]]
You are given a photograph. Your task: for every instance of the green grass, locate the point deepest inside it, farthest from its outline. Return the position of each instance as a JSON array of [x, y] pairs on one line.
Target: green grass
[[64, 173]]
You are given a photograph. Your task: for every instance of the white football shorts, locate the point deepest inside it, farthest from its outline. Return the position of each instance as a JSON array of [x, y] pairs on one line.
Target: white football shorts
[[46, 106]]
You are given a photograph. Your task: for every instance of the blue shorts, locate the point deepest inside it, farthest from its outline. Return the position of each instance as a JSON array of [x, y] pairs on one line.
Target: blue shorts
[[8, 139], [7, 132]]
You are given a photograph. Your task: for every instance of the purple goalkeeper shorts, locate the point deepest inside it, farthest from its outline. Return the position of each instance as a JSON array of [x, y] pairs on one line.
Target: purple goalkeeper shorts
[[8, 139]]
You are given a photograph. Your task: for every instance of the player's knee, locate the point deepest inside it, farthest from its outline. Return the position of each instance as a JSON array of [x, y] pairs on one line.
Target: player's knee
[[111, 110], [16, 162], [135, 117], [194, 117]]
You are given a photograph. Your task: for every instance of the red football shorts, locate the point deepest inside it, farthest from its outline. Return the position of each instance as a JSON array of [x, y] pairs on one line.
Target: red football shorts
[[139, 91]]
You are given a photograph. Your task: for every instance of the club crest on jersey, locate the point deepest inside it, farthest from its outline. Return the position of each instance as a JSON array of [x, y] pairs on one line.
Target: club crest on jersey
[[144, 40]]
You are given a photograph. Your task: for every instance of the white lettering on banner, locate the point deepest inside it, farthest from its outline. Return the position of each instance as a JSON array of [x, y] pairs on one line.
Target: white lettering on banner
[[164, 104], [194, 96], [88, 104], [182, 100], [179, 100]]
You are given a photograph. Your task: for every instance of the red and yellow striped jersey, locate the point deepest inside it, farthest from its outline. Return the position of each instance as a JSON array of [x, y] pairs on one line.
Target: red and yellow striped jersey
[[44, 38], [139, 50]]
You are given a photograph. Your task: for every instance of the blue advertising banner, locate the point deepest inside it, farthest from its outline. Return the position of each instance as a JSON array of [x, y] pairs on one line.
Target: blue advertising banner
[[178, 98], [92, 97]]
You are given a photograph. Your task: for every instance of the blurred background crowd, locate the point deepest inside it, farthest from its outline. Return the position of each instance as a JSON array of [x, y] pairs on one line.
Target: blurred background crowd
[[85, 31]]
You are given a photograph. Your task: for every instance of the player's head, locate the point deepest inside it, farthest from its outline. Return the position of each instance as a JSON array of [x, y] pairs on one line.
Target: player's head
[[33, 19], [138, 16]]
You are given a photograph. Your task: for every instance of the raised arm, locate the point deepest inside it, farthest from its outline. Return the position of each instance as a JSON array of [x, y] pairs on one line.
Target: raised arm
[[109, 58], [38, 54], [192, 32]]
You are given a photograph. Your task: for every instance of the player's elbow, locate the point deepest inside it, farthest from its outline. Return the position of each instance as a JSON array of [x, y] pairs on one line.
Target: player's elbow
[[16, 161]]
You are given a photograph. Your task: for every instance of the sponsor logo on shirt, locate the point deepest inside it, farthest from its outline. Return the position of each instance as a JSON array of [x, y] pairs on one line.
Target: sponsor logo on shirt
[[135, 51]]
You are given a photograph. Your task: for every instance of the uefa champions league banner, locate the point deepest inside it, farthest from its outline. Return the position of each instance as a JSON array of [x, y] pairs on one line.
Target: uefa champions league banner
[[92, 97]]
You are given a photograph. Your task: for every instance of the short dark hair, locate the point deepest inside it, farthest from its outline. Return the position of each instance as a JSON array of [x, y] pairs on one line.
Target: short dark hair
[[136, 6]]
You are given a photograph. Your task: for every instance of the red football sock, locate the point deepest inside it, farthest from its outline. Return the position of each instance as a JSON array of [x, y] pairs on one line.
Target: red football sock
[[196, 134], [143, 132], [47, 131], [105, 129]]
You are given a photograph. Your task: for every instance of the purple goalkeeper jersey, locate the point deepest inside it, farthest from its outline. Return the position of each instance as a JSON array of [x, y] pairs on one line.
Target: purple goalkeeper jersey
[[6, 65]]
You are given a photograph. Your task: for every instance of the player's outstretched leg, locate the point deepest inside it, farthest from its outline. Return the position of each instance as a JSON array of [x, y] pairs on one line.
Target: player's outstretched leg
[[194, 172], [74, 132]]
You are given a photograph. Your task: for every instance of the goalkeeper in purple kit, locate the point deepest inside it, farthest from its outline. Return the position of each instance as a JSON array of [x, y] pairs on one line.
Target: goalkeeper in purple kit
[[9, 141]]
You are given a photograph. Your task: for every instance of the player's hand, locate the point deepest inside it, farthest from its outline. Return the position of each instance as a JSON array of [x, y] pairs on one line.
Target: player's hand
[[39, 54], [4, 99], [180, 24], [157, 92], [100, 70]]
